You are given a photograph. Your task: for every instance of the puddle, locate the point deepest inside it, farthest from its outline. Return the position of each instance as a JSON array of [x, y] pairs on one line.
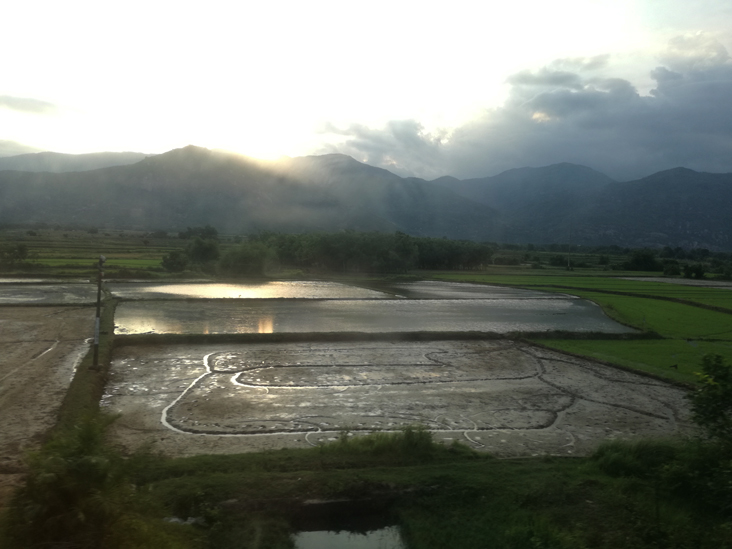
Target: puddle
[[264, 290], [346, 524], [384, 538], [371, 316]]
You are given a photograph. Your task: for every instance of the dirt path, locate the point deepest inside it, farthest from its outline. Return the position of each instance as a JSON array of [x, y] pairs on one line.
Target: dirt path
[[39, 348]]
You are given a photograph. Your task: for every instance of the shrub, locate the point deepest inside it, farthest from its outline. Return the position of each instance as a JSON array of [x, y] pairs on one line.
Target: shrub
[[711, 403]]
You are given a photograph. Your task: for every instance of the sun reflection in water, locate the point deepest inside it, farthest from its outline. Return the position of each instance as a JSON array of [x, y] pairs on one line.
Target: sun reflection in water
[[266, 325]]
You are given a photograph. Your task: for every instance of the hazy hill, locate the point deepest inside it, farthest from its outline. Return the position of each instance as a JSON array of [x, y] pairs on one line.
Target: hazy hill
[[538, 204], [678, 207], [58, 162], [571, 203], [13, 148], [194, 186], [561, 203]]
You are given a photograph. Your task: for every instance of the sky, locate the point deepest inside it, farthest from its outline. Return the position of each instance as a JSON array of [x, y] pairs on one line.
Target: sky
[[461, 88]]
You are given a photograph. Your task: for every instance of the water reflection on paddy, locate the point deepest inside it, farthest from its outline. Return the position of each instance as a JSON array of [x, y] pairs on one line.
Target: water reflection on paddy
[[378, 315], [260, 290], [385, 538], [433, 289]]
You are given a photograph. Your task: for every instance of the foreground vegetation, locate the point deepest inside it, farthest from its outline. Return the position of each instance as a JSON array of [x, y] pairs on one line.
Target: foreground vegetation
[[634, 495]]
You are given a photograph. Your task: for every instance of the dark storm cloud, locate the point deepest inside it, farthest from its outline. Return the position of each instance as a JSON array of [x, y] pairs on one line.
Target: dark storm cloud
[[556, 115], [26, 104]]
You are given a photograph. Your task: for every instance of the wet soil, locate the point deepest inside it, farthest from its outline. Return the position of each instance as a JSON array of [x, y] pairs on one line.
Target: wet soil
[[508, 398], [39, 349], [48, 294]]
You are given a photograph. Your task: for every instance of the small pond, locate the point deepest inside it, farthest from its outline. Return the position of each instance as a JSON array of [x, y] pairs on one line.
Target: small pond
[[384, 538]]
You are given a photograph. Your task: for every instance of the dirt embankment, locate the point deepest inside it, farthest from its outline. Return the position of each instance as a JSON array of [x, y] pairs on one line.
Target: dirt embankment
[[39, 349]]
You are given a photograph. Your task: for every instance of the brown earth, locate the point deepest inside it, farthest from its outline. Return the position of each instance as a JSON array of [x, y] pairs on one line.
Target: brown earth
[[39, 350]]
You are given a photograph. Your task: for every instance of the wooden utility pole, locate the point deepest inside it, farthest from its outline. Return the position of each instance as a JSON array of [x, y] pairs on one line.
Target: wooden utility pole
[[100, 274]]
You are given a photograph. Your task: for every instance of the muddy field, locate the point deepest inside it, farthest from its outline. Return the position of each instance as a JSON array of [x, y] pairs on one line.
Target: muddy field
[[508, 398], [39, 349]]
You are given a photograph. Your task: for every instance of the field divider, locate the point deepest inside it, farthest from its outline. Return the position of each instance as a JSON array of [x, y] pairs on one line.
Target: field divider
[[304, 337]]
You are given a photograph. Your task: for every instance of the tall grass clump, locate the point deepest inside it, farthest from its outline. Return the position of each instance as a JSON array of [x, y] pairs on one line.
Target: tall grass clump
[[410, 444], [641, 459], [697, 473]]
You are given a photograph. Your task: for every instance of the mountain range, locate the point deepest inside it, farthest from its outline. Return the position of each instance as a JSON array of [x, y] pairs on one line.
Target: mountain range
[[193, 186]]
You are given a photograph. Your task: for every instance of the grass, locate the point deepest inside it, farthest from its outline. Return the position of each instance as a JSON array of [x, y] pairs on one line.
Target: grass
[[626, 495], [688, 331], [634, 495], [558, 281], [657, 357]]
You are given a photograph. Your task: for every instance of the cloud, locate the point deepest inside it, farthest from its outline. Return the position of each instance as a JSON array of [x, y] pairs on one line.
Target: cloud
[[402, 146], [27, 104], [564, 112], [546, 77], [580, 64]]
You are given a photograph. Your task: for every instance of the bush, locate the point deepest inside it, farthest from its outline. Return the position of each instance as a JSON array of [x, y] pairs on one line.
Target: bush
[[642, 260], [711, 403], [175, 262], [694, 271], [671, 268], [77, 494]]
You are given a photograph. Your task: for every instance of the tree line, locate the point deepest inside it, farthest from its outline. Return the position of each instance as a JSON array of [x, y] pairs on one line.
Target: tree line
[[343, 252]]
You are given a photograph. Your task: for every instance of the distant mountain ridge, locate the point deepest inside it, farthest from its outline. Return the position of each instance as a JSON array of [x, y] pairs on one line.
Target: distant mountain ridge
[[59, 162], [560, 203], [195, 186]]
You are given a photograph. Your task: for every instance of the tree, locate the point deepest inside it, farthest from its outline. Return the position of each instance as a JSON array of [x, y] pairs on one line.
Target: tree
[[642, 260], [694, 271], [175, 262], [711, 403], [247, 259], [206, 233], [203, 251]]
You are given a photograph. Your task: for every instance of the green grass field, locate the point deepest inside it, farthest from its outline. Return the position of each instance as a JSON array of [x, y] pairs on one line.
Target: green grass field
[[688, 331]]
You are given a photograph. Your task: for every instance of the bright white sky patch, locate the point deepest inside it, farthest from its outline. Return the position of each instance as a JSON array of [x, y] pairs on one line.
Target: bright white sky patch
[[264, 78]]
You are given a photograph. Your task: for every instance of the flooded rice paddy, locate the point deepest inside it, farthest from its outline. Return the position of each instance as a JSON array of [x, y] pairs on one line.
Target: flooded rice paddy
[[264, 290], [509, 398], [432, 289], [373, 316]]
